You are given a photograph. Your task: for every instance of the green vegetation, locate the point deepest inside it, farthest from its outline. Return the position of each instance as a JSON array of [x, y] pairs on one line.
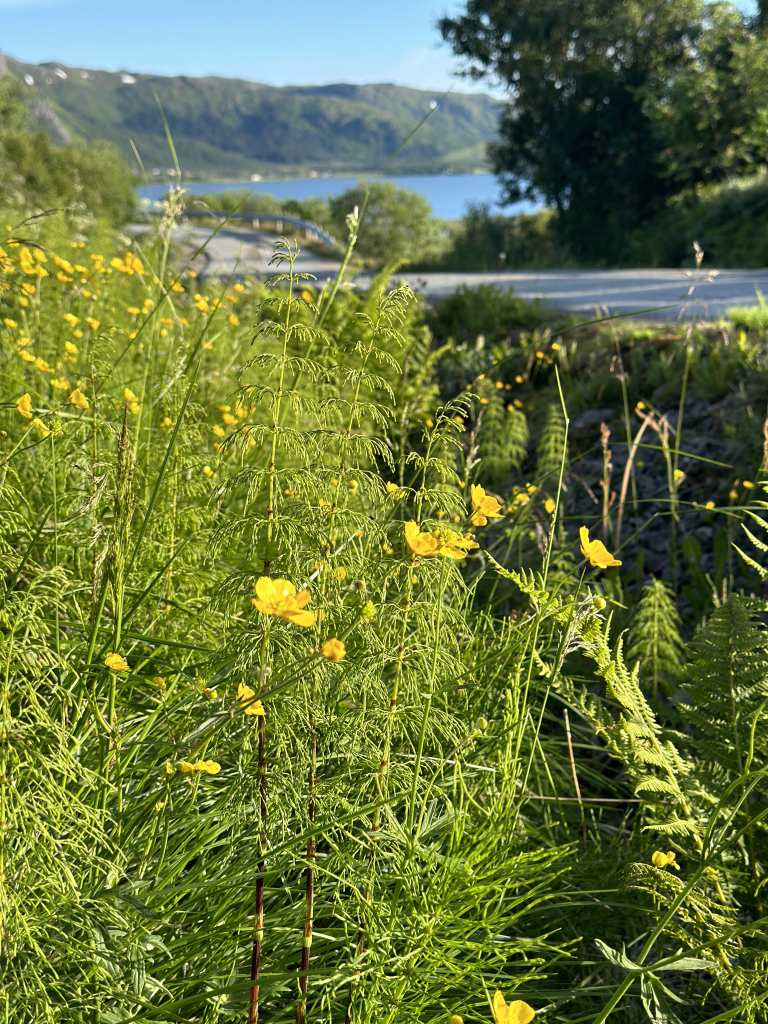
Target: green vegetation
[[228, 128], [93, 182], [398, 227], [619, 110], [323, 695]]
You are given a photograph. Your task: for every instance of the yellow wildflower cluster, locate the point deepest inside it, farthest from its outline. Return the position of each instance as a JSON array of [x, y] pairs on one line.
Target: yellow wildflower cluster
[[30, 262], [128, 264]]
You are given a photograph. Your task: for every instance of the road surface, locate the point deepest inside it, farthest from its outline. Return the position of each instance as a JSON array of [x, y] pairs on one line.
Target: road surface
[[585, 292]]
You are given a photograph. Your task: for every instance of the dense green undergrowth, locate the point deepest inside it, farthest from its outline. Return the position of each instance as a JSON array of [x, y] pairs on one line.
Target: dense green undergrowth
[[465, 755]]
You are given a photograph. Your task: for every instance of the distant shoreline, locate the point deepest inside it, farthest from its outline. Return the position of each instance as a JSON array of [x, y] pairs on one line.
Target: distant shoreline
[[302, 174], [449, 195]]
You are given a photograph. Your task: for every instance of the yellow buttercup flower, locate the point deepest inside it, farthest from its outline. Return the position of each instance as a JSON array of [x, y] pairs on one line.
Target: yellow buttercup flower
[[596, 552], [245, 699], [663, 860], [748, 484], [233, 320], [333, 650], [709, 506], [198, 767], [424, 544], [679, 476], [116, 662], [71, 319], [62, 384], [93, 325], [78, 399], [516, 1012], [24, 406], [279, 598], [549, 506], [484, 506], [41, 427], [129, 395], [443, 542], [209, 693], [207, 471]]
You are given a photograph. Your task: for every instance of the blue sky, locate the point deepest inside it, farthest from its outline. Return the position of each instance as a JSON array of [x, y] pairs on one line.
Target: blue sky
[[280, 42]]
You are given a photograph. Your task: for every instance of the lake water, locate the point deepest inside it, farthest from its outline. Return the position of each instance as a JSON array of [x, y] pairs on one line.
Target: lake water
[[447, 194]]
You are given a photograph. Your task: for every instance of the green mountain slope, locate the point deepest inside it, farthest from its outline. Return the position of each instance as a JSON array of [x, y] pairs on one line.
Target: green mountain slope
[[230, 128]]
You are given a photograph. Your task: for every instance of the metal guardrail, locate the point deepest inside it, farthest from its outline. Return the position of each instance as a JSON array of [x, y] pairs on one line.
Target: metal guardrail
[[313, 231]]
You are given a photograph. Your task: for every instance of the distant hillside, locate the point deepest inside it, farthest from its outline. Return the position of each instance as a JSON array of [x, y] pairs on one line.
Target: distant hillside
[[230, 128]]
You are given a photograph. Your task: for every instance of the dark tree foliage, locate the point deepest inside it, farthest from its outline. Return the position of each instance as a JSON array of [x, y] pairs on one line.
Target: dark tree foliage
[[615, 106]]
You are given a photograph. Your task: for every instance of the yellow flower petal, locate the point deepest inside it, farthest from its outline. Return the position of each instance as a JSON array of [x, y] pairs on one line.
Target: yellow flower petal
[[517, 1012], [333, 650], [116, 662], [78, 399], [596, 552], [245, 699], [279, 598], [424, 544], [24, 406]]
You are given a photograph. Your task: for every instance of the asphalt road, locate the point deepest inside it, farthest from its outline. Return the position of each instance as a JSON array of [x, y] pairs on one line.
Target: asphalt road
[[585, 292]]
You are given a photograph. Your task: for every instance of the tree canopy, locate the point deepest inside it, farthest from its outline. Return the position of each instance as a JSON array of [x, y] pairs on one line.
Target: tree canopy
[[615, 107], [398, 224]]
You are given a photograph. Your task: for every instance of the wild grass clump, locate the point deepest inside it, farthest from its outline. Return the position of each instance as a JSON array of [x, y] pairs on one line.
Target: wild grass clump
[[315, 700]]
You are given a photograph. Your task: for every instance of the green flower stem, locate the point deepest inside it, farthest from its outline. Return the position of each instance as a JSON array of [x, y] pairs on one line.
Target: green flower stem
[[258, 915], [271, 471], [427, 704]]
